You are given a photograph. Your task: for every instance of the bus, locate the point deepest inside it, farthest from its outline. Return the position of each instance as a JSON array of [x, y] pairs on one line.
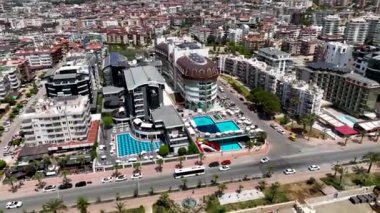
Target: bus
[[187, 172]]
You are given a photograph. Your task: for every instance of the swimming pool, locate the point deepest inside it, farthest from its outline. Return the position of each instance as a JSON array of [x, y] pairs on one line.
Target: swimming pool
[[206, 124], [128, 145], [230, 146], [348, 120]]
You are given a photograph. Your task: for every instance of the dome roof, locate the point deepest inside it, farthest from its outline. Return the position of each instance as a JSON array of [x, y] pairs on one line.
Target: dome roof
[[197, 67]]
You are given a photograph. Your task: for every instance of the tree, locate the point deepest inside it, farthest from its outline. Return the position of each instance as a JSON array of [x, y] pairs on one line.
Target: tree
[[249, 144], [107, 121], [53, 206], [159, 162], [336, 168], [64, 174], [342, 170], [215, 178], [184, 184], [240, 188], [82, 204], [371, 157], [38, 177], [272, 193], [182, 151], [294, 101], [3, 164], [82, 161], [192, 148], [120, 207], [201, 157], [311, 120], [303, 121], [164, 202], [221, 188], [164, 150], [346, 140], [362, 135], [181, 159], [262, 185], [115, 170], [265, 101], [10, 180], [317, 187], [137, 167]]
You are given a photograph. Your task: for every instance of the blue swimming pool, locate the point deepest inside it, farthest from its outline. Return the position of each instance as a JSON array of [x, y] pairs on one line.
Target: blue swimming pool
[[230, 146], [206, 124], [128, 145], [348, 120]]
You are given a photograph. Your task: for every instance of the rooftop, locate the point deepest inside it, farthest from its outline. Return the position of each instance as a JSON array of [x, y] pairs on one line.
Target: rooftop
[[273, 52], [190, 45], [357, 77], [168, 115], [112, 90], [138, 76]]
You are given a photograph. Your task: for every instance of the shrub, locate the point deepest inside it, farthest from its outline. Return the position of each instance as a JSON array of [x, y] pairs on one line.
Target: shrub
[[310, 181], [182, 151], [3, 164], [164, 150], [192, 149]]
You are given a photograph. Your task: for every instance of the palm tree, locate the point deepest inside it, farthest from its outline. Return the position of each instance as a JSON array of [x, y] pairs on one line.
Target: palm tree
[[362, 135], [317, 187], [378, 135], [273, 191], [311, 120], [184, 184], [304, 121], [201, 156], [345, 141], [159, 162], [262, 184], [82, 204], [53, 206], [293, 103], [115, 169], [38, 177], [120, 207], [82, 161], [221, 188], [64, 174], [371, 157], [137, 167], [359, 170], [240, 188], [342, 171], [215, 178], [336, 168], [249, 144], [10, 180], [46, 161], [181, 159]]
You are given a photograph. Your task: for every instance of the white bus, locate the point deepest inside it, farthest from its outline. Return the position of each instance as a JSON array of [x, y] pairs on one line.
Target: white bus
[[187, 172]]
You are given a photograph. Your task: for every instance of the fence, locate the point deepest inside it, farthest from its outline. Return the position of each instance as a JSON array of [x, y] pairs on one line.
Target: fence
[[271, 208]]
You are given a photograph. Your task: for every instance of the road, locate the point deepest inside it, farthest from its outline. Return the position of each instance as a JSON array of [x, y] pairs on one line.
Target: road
[[15, 126], [300, 162]]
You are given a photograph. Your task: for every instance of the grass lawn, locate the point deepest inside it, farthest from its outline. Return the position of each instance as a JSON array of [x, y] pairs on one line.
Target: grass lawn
[[352, 179], [128, 52], [299, 191], [237, 85]]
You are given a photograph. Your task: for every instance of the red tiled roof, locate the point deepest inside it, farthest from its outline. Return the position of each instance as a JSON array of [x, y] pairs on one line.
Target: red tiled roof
[[346, 130]]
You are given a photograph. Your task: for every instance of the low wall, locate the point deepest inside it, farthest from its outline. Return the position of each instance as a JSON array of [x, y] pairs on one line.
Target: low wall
[[274, 208]]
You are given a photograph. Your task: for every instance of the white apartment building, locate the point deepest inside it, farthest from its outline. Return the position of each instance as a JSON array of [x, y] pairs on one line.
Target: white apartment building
[[372, 25], [308, 97], [234, 35], [280, 61], [330, 26], [356, 31], [59, 120], [339, 54], [4, 86], [254, 73]]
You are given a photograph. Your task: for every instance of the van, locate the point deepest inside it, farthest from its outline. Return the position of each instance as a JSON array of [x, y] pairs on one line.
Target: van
[[131, 160], [221, 89]]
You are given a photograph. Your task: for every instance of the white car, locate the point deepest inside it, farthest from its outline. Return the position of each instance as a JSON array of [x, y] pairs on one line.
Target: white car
[[13, 204], [281, 131], [107, 180], [121, 178], [289, 171], [136, 176], [49, 188], [264, 159], [314, 167], [224, 168]]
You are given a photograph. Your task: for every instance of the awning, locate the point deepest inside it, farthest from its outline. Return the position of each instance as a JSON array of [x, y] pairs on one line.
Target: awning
[[346, 130], [146, 125], [191, 131], [331, 120], [369, 126], [137, 121]]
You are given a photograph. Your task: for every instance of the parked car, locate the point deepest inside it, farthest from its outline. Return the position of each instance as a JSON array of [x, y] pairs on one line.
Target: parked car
[[13, 204], [214, 164], [65, 186], [136, 176], [80, 184], [226, 162], [224, 168], [314, 168], [289, 171], [107, 180], [264, 159], [49, 188], [121, 178]]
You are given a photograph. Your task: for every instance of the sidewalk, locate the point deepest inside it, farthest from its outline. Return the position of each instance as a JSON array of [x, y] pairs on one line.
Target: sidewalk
[[147, 171]]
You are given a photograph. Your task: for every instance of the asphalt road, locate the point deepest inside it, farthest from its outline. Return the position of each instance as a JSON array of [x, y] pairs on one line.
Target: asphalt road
[[300, 162]]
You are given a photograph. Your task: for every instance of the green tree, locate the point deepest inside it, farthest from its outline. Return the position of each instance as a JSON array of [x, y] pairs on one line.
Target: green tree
[[342, 170], [240, 188], [221, 188], [215, 178], [3, 164], [362, 135], [304, 122], [265, 101], [107, 121], [182, 151], [311, 120], [64, 174], [346, 140], [192, 148], [164, 150], [116, 169], [317, 187], [249, 144], [38, 177], [201, 157], [272, 193], [10, 180], [82, 204], [137, 167], [371, 158], [181, 159], [82, 161], [53, 206], [164, 202], [262, 185], [336, 167], [120, 207]]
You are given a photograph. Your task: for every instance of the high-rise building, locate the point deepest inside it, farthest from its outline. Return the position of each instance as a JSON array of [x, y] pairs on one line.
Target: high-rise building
[[58, 120], [280, 61], [356, 31], [372, 24], [339, 54], [330, 26]]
